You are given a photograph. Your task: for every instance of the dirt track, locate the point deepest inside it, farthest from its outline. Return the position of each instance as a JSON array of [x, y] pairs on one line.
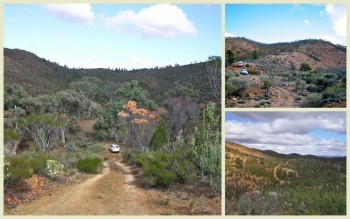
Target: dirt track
[[117, 191], [107, 193]]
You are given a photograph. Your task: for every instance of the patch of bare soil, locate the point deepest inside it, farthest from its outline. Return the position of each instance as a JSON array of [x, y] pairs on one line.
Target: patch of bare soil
[[282, 97], [275, 174]]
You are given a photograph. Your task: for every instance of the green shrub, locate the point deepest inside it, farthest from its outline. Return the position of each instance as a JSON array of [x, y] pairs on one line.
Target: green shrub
[[304, 67], [142, 159], [69, 159], [155, 175], [165, 178], [253, 71], [17, 168], [236, 87], [10, 134], [159, 138], [101, 135], [53, 168], [155, 169], [89, 165], [162, 169], [312, 88], [185, 170], [314, 100], [263, 103], [38, 162], [182, 165], [71, 146], [96, 148], [100, 125], [129, 155], [333, 92]]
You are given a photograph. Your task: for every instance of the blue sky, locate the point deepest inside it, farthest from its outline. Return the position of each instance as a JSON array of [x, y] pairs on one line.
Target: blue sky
[[119, 35], [271, 23], [317, 133]]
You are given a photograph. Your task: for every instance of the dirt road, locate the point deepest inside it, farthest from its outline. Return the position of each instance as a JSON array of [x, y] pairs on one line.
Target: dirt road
[[275, 174], [116, 191], [108, 193]]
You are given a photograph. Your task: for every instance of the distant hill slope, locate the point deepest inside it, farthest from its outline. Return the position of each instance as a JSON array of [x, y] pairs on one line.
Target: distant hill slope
[[271, 154], [28, 70], [294, 178], [38, 75], [319, 54], [245, 150]]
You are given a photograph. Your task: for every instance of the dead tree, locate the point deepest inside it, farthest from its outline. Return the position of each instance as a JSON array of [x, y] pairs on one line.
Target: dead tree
[[214, 75]]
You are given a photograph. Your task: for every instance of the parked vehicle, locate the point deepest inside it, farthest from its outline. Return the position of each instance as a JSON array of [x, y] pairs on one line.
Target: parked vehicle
[[243, 71], [114, 148], [239, 64]]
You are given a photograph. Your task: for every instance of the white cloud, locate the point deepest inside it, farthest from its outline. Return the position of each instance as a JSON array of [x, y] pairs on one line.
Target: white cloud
[[289, 134], [307, 22], [337, 14], [79, 13], [162, 20], [253, 135], [328, 38], [328, 121], [230, 34]]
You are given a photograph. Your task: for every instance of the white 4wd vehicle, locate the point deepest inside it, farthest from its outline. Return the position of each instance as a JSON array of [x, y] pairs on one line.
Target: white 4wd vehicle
[[239, 64], [243, 71], [114, 148]]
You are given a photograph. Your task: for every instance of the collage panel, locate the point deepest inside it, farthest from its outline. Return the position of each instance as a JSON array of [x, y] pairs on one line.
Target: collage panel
[[285, 163], [119, 109], [112, 109], [285, 56]]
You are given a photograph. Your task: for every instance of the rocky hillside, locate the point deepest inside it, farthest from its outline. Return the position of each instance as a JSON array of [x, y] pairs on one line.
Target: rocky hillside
[[319, 54]]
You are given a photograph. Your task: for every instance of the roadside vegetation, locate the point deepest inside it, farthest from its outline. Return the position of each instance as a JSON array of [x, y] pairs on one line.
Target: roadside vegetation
[[173, 136]]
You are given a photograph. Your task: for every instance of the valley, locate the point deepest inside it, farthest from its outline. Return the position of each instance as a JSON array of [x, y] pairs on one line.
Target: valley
[[60, 121]]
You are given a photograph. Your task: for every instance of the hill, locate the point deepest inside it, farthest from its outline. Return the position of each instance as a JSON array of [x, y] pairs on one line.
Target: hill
[[233, 147], [275, 183], [38, 75], [319, 54], [306, 73]]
